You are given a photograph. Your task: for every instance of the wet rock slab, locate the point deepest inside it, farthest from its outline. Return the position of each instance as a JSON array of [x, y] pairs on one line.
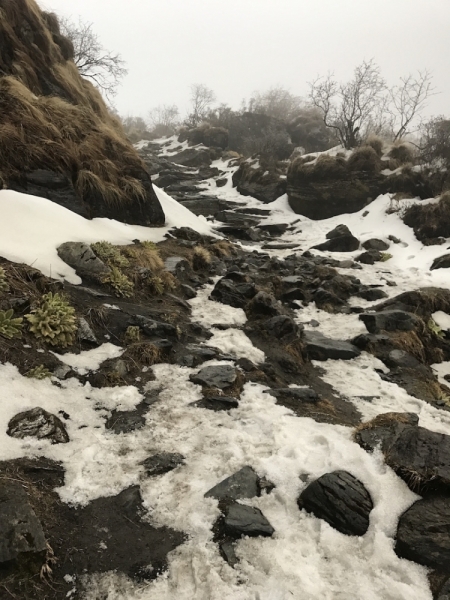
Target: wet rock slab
[[319, 347], [162, 463], [240, 520], [339, 499], [217, 402], [245, 483], [389, 320], [215, 376]]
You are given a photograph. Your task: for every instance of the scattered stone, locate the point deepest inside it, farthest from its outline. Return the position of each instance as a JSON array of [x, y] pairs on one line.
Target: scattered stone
[[281, 325], [371, 293], [319, 347], [40, 424], [222, 181], [228, 552], [339, 499], [85, 332], [217, 403], [162, 463], [82, 258], [375, 244], [264, 304], [389, 320], [243, 520], [274, 228], [155, 328], [370, 257], [216, 376], [303, 394], [342, 243], [338, 231], [423, 533], [442, 262], [236, 295], [242, 484], [125, 421], [22, 539]]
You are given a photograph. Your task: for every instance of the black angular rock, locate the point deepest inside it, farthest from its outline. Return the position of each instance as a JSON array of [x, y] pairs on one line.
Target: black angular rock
[[319, 347], [375, 244], [40, 424], [228, 553], [22, 539], [155, 328], [304, 394], [423, 533], [217, 403], [264, 304], [281, 325], [243, 520], [338, 231], [161, 463], [236, 295], [370, 257], [343, 243], [215, 376], [339, 499], [371, 293], [389, 320], [442, 262], [242, 484]]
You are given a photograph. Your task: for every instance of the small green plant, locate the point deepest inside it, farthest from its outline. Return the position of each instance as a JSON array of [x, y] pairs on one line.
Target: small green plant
[[434, 328], [10, 327], [385, 256], [149, 245], [4, 287], [39, 372], [156, 285], [109, 254], [132, 334], [122, 286], [53, 320]]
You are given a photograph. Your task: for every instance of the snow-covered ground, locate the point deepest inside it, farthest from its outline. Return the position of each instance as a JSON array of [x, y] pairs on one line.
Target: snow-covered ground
[[305, 559]]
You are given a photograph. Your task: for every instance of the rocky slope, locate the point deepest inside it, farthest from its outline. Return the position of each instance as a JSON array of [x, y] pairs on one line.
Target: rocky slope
[[261, 414], [57, 137]]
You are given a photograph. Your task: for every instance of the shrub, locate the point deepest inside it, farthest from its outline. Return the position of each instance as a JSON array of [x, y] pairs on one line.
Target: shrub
[[10, 327], [109, 254], [364, 158], [53, 320], [39, 372], [146, 255], [430, 220], [132, 334], [326, 167], [403, 153], [376, 143], [122, 286], [201, 258], [4, 287]]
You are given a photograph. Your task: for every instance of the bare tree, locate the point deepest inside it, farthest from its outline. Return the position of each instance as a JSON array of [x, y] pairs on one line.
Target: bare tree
[[408, 99], [201, 99], [104, 68], [349, 108], [164, 115]]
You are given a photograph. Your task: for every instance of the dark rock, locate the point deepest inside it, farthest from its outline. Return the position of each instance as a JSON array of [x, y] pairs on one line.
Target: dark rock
[[221, 182], [243, 520], [389, 320], [274, 228], [342, 243], [193, 355], [303, 394], [217, 403], [400, 358], [371, 293], [245, 364], [264, 304], [442, 262], [375, 244], [281, 325], [82, 258], [339, 499], [423, 533], [125, 421], [274, 246], [319, 347], [324, 297], [161, 463], [189, 291], [242, 484], [241, 233], [338, 231], [370, 257], [192, 157], [186, 233], [259, 183], [155, 328], [216, 376], [40, 424], [237, 219], [85, 332], [22, 539], [228, 292], [293, 294], [228, 553]]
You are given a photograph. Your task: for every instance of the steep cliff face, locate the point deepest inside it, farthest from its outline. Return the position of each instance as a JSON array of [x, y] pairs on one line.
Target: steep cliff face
[[56, 129]]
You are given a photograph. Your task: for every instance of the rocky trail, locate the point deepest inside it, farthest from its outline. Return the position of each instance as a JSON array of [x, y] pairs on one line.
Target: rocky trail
[[278, 429]]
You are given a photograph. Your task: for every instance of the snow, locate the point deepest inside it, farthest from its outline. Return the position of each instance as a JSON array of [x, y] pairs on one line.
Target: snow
[[442, 319], [90, 360], [32, 228], [207, 312], [235, 342]]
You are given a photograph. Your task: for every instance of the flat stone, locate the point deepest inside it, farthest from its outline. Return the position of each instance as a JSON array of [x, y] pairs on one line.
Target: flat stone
[[389, 320], [243, 520], [217, 403], [319, 347], [242, 484], [375, 244], [305, 394], [216, 376], [40, 424], [22, 539], [442, 262], [339, 499], [228, 552], [83, 259], [155, 328], [370, 257], [161, 463], [423, 533]]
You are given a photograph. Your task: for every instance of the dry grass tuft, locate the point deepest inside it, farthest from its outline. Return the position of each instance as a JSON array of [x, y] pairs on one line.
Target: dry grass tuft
[[364, 158], [402, 152], [375, 142], [222, 249], [430, 220], [143, 255], [201, 258], [325, 168], [143, 353]]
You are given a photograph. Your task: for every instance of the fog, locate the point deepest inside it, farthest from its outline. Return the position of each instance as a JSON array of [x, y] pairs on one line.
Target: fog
[[239, 46]]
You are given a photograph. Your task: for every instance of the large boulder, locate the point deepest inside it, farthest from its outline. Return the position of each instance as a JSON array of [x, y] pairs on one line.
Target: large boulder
[[339, 499], [40, 424], [208, 136], [258, 182], [319, 347]]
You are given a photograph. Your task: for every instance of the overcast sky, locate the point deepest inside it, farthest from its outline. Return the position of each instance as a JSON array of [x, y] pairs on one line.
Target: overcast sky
[[238, 46]]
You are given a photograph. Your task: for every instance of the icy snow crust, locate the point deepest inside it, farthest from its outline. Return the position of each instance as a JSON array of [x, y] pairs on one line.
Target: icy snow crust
[[305, 559]]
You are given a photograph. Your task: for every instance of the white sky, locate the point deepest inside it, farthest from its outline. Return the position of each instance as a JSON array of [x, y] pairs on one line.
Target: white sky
[[238, 46]]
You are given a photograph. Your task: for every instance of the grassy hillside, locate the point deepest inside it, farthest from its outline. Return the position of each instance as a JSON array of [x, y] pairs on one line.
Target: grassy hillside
[[52, 118]]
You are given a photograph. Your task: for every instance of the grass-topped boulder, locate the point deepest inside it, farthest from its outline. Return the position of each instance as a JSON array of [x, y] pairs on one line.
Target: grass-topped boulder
[[430, 221], [56, 124]]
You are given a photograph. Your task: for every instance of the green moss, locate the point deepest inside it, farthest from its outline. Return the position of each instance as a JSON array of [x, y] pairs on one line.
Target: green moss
[[4, 287], [109, 254], [132, 334], [122, 286], [39, 372], [150, 246], [53, 320], [434, 328], [385, 256], [10, 327]]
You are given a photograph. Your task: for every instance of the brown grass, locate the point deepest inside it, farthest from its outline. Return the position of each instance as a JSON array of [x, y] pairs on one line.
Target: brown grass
[[52, 118], [430, 220], [375, 142], [403, 153], [143, 353], [383, 420], [364, 158], [222, 249], [144, 256], [201, 258], [326, 167]]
